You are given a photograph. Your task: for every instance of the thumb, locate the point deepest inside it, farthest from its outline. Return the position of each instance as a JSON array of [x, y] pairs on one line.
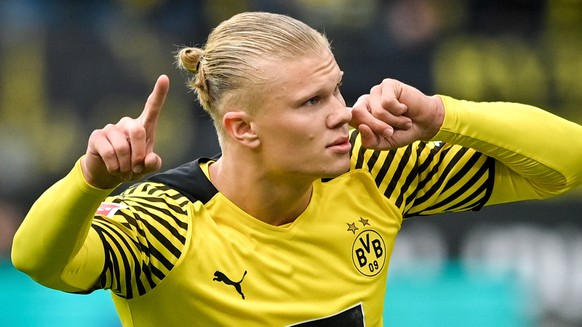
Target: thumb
[[369, 139], [152, 163]]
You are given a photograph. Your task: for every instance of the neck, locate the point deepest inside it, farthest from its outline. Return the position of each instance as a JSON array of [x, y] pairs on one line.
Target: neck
[[271, 199]]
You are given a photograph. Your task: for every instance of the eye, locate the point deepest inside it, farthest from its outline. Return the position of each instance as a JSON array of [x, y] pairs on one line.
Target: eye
[[313, 101]]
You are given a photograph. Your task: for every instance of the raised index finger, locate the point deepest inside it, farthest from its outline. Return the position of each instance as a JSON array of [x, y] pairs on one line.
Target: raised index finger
[[155, 102]]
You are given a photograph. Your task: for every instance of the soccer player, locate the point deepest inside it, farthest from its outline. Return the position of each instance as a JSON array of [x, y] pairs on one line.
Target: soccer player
[[295, 221]]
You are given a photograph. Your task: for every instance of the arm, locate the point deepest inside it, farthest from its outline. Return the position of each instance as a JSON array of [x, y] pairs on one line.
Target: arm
[[55, 236], [54, 231], [533, 148], [530, 163]]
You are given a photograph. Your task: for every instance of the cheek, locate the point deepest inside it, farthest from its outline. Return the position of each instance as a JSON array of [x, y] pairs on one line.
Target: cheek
[[289, 139], [290, 129], [293, 139]]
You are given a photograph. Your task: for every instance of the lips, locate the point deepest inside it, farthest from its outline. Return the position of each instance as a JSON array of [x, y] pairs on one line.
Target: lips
[[339, 141], [341, 144]]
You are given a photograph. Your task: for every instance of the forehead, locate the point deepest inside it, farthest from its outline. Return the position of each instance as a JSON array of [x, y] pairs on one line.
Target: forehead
[[303, 74]]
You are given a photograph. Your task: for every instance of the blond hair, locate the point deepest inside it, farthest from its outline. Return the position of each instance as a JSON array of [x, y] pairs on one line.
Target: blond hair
[[231, 62]]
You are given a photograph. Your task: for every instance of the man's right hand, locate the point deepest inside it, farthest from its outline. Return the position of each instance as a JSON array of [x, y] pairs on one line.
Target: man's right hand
[[395, 114], [124, 151]]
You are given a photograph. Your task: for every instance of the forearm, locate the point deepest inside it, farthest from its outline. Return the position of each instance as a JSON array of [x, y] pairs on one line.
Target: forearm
[[55, 228], [533, 147]]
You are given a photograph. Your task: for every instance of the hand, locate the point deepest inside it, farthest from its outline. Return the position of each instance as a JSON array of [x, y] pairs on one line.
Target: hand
[[395, 114], [124, 151]]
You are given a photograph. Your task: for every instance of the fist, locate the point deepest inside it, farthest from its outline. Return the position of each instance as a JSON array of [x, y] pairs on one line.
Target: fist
[[394, 115]]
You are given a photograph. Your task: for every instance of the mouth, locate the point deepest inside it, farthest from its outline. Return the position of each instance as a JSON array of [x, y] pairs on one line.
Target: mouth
[[341, 145]]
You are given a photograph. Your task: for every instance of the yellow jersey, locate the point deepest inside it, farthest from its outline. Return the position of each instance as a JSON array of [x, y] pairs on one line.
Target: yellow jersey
[[177, 252]]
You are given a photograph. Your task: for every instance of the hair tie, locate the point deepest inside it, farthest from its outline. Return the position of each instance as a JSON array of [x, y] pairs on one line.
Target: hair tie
[[198, 63]]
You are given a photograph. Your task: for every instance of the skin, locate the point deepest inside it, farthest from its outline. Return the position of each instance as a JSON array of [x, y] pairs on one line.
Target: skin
[[298, 133], [394, 115], [124, 151]]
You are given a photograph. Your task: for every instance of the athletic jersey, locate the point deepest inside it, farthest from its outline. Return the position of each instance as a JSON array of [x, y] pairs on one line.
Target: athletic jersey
[[178, 235], [179, 253]]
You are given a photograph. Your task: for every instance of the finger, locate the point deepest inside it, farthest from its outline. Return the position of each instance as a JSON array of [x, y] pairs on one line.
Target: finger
[[151, 163], [385, 106], [391, 91], [137, 138], [100, 150], [361, 115], [369, 139], [120, 149], [154, 103]]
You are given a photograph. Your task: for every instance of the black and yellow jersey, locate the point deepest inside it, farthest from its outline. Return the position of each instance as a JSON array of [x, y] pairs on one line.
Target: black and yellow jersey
[[177, 252], [176, 234]]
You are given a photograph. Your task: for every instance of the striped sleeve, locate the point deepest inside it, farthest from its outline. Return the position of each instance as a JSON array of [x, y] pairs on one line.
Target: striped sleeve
[[427, 178], [142, 240]]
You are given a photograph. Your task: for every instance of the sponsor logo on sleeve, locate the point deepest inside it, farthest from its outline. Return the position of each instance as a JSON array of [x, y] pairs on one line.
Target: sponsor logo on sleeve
[[109, 209]]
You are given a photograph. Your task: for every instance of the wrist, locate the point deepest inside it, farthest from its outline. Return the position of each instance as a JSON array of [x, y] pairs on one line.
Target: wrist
[[103, 183], [438, 117]]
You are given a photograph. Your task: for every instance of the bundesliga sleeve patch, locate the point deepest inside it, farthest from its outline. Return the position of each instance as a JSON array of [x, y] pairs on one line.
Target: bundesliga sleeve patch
[[109, 209]]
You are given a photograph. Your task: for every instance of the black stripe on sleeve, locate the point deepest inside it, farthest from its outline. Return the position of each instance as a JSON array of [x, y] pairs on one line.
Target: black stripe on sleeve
[[373, 159], [146, 208], [464, 171], [436, 154], [162, 239], [443, 176], [464, 189], [403, 162], [361, 150], [410, 178], [385, 167], [116, 260], [489, 185]]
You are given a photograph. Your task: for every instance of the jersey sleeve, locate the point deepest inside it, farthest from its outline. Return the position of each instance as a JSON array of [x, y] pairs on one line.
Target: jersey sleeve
[[537, 153], [485, 153], [426, 178], [51, 245], [77, 238], [143, 232]]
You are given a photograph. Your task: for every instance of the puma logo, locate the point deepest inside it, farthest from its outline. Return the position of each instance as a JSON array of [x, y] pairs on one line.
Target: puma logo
[[221, 277]]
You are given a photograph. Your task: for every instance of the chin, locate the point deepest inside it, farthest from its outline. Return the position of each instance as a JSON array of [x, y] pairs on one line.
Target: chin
[[336, 172], [331, 176]]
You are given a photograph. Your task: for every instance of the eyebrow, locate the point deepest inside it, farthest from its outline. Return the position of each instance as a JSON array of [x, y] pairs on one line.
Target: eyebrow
[[300, 97], [321, 88], [338, 81]]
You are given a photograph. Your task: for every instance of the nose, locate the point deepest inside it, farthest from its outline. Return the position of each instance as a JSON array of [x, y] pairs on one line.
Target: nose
[[339, 115]]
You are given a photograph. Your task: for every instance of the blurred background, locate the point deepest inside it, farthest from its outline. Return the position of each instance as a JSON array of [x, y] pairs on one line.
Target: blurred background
[[68, 67]]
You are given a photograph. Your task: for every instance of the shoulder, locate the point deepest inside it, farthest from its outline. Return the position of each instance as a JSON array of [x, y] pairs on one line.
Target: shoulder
[[188, 180], [168, 193]]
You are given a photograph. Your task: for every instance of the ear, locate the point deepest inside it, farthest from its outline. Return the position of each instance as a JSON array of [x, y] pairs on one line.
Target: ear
[[238, 125]]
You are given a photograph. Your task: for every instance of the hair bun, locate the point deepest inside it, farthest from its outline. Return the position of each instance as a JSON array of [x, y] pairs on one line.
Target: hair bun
[[189, 59]]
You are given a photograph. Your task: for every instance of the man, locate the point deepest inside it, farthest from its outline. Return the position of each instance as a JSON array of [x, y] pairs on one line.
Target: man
[[295, 222]]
